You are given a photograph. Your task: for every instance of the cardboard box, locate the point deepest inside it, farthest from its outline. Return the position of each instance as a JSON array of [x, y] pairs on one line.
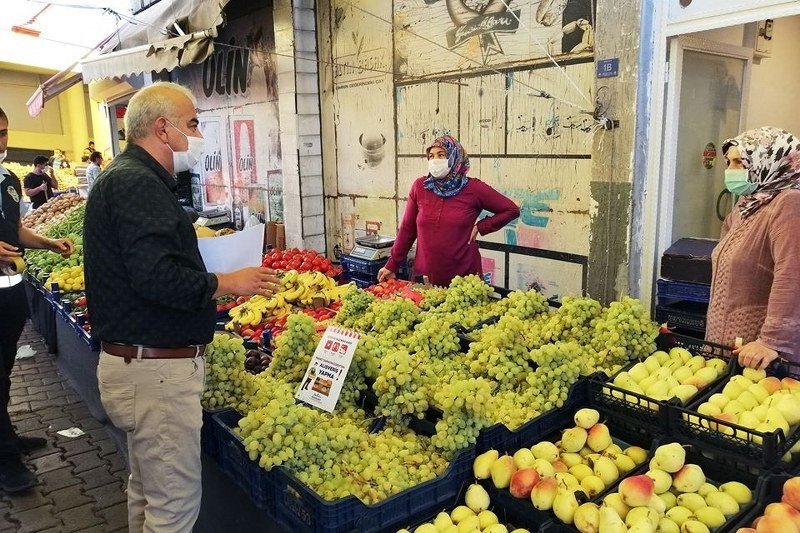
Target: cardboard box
[[688, 260], [280, 236], [270, 234]]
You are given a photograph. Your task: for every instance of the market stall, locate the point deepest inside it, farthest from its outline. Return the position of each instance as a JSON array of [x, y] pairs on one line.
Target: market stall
[[331, 407]]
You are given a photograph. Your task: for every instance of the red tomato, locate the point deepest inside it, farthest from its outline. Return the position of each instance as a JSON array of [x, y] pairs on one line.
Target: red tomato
[[247, 332], [307, 265]]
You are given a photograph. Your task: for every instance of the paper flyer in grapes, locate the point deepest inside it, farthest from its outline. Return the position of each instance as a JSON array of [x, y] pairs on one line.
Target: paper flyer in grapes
[[328, 368]]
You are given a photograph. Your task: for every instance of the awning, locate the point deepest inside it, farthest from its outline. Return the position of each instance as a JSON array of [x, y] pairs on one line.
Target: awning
[[51, 89], [147, 46], [165, 55]]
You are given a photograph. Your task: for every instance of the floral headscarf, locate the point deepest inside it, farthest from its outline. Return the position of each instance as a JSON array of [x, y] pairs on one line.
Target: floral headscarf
[[772, 158], [458, 161]]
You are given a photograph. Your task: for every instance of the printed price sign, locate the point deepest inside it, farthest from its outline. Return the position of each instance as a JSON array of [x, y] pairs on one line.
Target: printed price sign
[[327, 371]]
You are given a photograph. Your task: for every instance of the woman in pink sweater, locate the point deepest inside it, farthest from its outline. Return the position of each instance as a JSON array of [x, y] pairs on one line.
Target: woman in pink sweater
[[441, 215], [755, 292]]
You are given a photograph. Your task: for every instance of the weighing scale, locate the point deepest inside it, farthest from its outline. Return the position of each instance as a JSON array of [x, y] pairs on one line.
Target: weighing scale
[[372, 247], [213, 217]]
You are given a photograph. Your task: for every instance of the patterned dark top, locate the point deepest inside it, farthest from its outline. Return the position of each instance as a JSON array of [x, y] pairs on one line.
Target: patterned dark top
[[146, 283]]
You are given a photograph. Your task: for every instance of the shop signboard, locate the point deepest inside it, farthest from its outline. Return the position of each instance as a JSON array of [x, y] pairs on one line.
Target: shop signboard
[[328, 368]]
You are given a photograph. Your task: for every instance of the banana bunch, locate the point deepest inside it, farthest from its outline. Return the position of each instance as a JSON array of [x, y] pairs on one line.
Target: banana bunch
[[255, 310], [296, 288]]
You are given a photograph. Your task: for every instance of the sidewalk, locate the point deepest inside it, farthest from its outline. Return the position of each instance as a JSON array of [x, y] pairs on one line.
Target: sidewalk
[[81, 479]]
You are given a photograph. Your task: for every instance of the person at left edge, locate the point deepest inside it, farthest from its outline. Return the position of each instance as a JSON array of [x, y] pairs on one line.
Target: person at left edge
[[152, 305], [38, 184], [14, 238]]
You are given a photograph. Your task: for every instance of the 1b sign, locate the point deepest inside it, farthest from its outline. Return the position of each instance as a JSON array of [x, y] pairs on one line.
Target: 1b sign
[[608, 68]]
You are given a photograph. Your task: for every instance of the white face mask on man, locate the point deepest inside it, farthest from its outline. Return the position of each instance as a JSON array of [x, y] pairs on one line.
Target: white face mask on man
[[183, 161], [3, 156]]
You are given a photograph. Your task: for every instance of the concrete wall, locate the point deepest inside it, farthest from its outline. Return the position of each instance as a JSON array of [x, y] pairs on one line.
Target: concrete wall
[[402, 74]]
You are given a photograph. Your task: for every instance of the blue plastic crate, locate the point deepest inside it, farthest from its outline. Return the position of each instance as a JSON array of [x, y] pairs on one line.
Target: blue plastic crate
[[669, 290], [355, 265], [499, 437], [258, 483], [300, 509], [361, 281]]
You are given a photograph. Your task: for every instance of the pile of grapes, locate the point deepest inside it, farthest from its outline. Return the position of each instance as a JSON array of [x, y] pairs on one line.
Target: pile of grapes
[[520, 364]]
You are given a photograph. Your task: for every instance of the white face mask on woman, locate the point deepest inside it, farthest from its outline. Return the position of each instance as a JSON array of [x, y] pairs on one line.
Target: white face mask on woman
[[183, 161], [438, 168]]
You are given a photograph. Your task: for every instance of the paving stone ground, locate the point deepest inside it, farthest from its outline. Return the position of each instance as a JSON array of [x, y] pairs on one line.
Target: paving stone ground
[[81, 480]]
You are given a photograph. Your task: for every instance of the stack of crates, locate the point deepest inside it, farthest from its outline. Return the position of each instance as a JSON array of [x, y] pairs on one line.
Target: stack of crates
[[684, 289]]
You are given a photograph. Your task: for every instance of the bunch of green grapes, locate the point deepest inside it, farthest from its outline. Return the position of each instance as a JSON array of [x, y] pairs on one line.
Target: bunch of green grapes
[[573, 321], [558, 367], [433, 338], [294, 348], [390, 319], [466, 409], [623, 332], [433, 297], [512, 409], [381, 465], [227, 383], [465, 292], [526, 304], [498, 353], [401, 386], [354, 304], [368, 355]]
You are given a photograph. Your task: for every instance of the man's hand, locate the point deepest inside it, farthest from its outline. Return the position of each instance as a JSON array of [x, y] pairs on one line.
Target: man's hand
[[61, 246], [385, 274], [248, 281], [474, 234], [8, 253], [755, 355]]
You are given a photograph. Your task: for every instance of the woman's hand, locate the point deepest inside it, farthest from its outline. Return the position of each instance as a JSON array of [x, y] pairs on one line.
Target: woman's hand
[[385, 274], [61, 246], [474, 234], [755, 355]]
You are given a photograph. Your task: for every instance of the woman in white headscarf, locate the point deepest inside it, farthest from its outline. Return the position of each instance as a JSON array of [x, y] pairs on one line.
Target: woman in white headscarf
[[755, 292]]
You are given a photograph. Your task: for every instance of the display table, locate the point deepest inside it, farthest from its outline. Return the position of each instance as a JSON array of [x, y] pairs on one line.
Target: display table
[[43, 315]]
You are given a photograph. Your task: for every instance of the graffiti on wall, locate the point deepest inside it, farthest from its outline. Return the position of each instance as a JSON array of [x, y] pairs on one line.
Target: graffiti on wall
[[487, 32]]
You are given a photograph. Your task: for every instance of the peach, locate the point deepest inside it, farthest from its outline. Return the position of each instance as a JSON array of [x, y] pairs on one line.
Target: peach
[[791, 492], [636, 491], [522, 482], [773, 524], [785, 510]]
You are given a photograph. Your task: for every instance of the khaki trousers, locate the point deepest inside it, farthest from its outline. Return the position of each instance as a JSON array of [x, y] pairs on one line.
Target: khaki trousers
[[157, 402]]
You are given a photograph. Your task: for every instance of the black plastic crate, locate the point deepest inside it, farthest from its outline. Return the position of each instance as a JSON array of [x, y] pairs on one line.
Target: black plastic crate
[[362, 281], [301, 509], [258, 483], [685, 315], [522, 512], [683, 290], [741, 447], [716, 473], [640, 408]]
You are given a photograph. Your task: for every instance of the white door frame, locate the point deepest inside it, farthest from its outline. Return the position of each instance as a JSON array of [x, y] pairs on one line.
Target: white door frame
[[652, 220], [678, 46]]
